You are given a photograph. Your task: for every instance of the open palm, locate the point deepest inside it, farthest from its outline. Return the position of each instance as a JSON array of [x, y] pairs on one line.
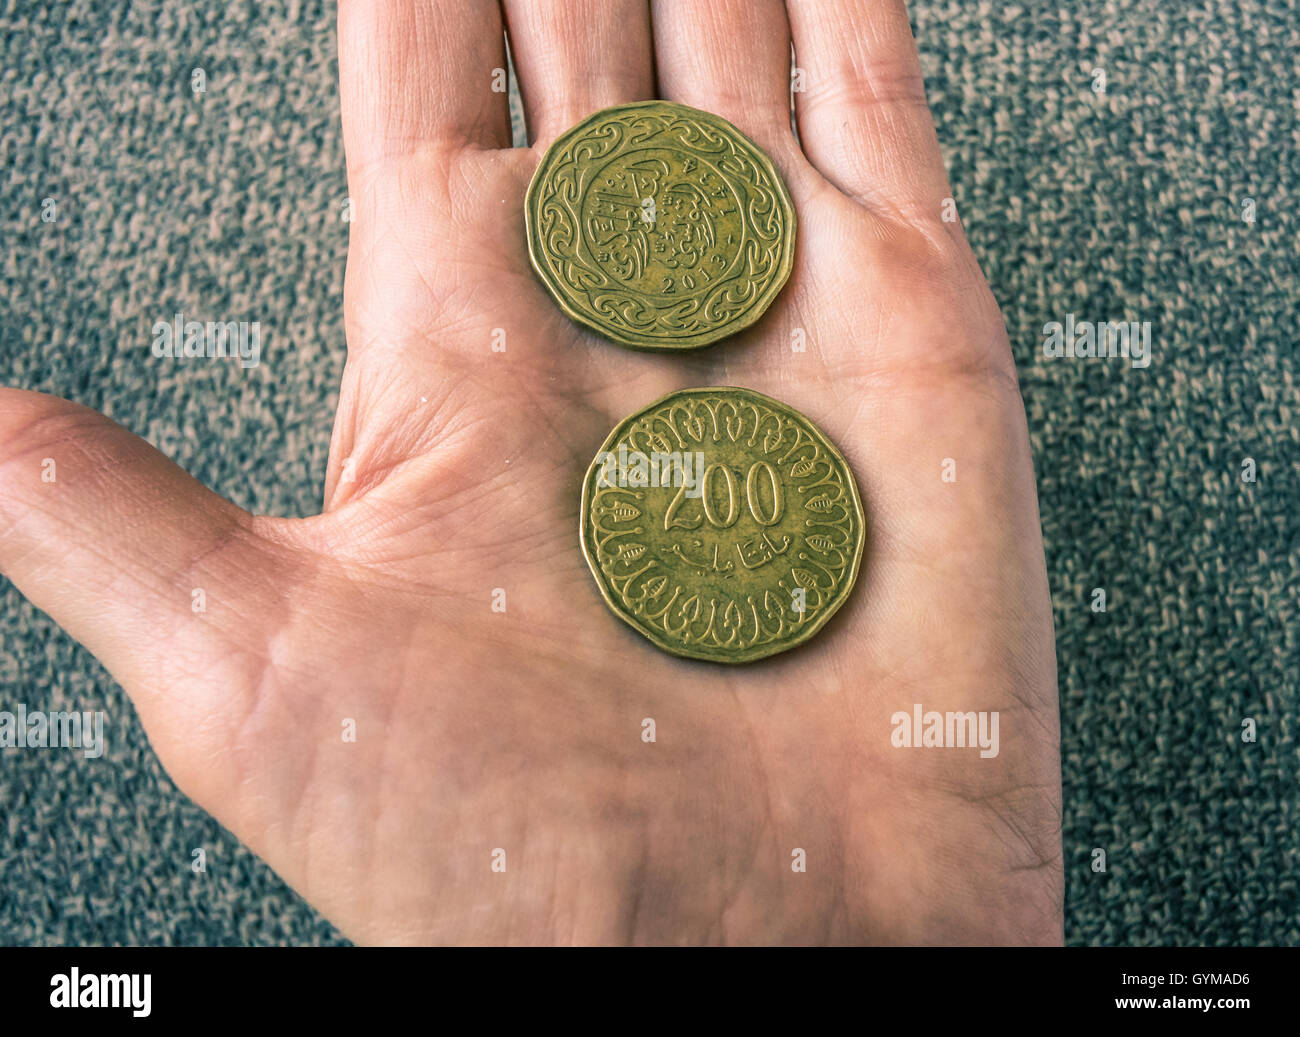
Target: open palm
[[498, 787]]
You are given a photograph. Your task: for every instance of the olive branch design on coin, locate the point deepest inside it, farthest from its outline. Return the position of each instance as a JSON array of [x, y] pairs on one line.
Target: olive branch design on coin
[[754, 564]]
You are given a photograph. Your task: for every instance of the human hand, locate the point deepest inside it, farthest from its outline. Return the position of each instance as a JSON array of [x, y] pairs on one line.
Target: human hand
[[455, 470]]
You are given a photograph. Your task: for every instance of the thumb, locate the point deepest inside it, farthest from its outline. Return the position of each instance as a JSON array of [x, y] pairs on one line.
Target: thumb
[[163, 580]]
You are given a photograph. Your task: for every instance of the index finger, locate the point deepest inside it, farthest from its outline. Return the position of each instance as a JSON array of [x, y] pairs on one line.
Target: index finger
[[415, 75]]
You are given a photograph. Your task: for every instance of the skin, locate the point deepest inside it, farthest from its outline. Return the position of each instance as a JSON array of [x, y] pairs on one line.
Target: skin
[[479, 730]]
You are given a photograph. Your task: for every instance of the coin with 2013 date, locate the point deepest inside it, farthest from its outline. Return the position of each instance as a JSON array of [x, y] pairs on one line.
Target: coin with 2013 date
[[722, 525], [659, 226]]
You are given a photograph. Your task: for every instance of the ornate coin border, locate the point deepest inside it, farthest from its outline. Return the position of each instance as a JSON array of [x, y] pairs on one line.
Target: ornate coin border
[[752, 315], [762, 651]]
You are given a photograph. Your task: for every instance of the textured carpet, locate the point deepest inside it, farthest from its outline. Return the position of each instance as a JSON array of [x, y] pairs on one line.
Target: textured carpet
[[1125, 205]]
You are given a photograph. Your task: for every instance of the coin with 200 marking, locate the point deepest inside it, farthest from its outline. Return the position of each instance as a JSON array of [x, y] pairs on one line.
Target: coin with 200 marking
[[722, 524], [659, 226]]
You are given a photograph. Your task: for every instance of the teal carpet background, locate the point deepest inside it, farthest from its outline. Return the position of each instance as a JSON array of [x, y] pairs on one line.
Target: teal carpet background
[[1123, 206]]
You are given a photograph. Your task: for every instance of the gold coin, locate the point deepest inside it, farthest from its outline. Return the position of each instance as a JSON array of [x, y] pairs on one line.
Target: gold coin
[[722, 524], [659, 226]]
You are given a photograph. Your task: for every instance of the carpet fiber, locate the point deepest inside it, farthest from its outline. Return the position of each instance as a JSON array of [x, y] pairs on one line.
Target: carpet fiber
[[1127, 203]]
